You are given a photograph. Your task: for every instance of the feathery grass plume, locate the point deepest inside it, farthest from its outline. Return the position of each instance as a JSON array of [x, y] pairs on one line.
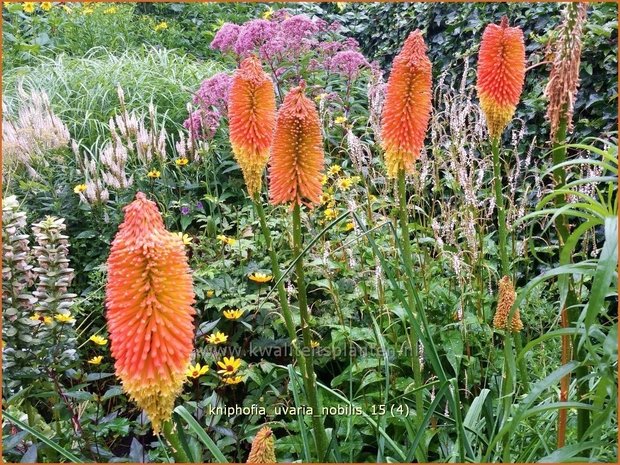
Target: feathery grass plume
[[407, 106], [149, 299], [263, 447], [564, 79], [501, 72], [506, 299], [296, 165], [252, 115]]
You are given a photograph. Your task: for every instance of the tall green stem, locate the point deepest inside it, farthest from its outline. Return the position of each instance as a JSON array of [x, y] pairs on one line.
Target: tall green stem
[[501, 212], [404, 232], [177, 449], [309, 376], [561, 225]]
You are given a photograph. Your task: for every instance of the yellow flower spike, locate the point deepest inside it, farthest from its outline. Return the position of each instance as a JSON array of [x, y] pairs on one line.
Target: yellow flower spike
[[232, 314], [64, 318], [217, 338], [96, 360], [258, 277], [181, 161], [154, 174], [229, 366], [196, 371], [505, 301], [100, 341], [79, 188], [185, 238], [232, 380]]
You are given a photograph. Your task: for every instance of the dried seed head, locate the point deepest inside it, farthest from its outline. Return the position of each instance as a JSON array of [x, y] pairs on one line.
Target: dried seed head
[[263, 447], [505, 301]]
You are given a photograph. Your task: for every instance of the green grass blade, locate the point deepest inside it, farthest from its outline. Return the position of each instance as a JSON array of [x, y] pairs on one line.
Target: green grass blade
[[201, 434]]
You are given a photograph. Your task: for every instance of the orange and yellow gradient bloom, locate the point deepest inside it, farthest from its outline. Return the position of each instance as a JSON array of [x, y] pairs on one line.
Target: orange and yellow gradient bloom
[[296, 164], [252, 114], [407, 106], [149, 298], [501, 72]]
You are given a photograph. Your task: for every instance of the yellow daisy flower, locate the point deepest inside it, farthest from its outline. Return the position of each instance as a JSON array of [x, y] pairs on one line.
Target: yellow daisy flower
[[217, 338], [349, 226], [258, 277], [267, 14], [232, 379], [340, 120], [111, 10], [181, 161], [29, 7], [330, 214], [334, 169], [226, 240], [46, 6], [87, 10], [232, 314], [79, 188], [154, 174], [186, 238], [160, 27], [196, 371], [96, 360], [41, 319], [314, 344], [345, 184], [64, 318], [100, 341], [323, 180], [229, 366], [210, 293]]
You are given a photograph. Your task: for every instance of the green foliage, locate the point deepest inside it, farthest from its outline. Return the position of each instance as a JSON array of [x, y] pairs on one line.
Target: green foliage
[[368, 305], [453, 35]]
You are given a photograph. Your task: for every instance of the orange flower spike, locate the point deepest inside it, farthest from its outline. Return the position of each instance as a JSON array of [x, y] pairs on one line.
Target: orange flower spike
[[501, 72], [407, 106], [149, 298], [296, 164], [252, 114]]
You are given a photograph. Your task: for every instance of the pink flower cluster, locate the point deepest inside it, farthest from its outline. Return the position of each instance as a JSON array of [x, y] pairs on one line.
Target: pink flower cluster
[[282, 42]]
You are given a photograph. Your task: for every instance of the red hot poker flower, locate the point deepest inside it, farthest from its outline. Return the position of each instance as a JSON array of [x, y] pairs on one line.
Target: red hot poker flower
[[252, 113], [149, 299], [407, 106], [501, 72], [296, 164]]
